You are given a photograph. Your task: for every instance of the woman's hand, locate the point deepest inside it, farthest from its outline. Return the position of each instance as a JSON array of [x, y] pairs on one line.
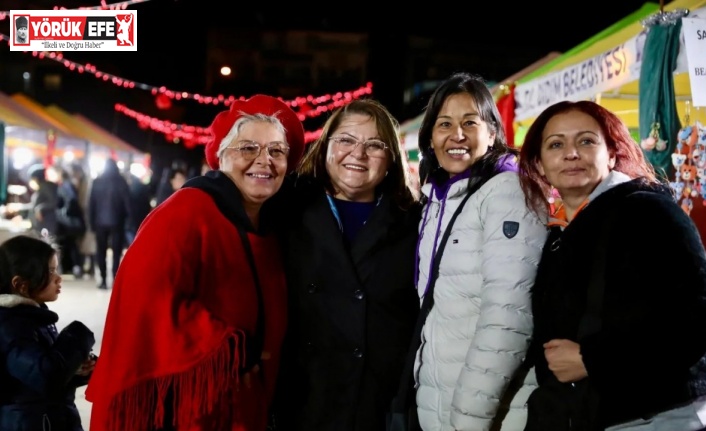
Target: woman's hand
[[565, 361], [87, 367]]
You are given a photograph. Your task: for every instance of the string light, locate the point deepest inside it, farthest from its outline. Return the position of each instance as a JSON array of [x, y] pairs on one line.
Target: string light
[[103, 6], [189, 134], [308, 106], [303, 105]]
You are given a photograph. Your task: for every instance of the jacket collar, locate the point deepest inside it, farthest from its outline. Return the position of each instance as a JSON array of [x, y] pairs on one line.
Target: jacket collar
[[11, 300]]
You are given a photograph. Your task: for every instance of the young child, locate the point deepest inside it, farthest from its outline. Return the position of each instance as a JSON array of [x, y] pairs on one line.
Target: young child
[[40, 368]]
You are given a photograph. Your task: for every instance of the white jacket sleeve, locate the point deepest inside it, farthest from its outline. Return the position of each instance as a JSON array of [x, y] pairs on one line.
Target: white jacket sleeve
[[513, 238]]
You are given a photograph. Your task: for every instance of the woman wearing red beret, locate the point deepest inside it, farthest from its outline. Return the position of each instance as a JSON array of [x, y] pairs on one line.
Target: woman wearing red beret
[[198, 309]]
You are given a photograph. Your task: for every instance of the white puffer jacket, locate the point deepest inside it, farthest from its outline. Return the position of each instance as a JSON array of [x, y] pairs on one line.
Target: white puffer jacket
[[476, 336]]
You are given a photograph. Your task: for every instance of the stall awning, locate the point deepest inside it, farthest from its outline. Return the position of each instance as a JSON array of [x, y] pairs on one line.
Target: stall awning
[[23, 111], [614, 48], [38, 110], [115, 142], [74, 124], [12, 118]]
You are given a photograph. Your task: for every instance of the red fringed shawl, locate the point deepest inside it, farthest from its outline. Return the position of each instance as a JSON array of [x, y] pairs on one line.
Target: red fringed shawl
[[183, 290]]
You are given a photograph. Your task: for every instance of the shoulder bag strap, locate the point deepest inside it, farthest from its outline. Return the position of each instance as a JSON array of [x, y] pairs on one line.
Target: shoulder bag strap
[[400, 402]]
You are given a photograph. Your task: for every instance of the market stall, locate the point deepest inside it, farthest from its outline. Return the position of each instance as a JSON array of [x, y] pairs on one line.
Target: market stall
[[47, 140], [605, 68], [22, 141], [103, 144]]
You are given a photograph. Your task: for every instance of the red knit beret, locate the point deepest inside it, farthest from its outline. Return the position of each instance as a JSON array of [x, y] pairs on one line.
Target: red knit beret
[[258, 104]]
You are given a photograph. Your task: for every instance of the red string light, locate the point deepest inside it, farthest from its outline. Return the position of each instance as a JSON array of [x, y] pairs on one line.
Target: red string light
[[189, 134], [103, 6], [323, 103]]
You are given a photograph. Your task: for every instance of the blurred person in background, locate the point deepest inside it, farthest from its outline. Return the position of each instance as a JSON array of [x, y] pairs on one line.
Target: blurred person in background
[[87, 241], [44, 201], [172, 180], [141, 205], [108, 212], [71, 225]]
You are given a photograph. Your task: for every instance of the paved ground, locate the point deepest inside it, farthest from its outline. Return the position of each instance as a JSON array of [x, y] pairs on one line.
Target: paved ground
[[82, 300]]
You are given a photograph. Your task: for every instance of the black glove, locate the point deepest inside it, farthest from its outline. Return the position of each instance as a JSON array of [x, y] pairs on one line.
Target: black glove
[[80, 335]]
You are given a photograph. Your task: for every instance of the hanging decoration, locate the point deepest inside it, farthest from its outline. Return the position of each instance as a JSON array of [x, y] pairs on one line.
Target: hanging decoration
[[314, 105], [51, 147], [190, 135], [653, 141], [664, 18], [506, 108], [689, 162], [658, 117], [163, 102]]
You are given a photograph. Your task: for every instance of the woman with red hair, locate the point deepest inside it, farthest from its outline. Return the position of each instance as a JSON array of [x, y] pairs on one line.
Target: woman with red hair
[[623, 271]]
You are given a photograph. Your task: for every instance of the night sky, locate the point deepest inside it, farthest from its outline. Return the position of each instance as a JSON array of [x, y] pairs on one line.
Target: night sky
[[171, 46]]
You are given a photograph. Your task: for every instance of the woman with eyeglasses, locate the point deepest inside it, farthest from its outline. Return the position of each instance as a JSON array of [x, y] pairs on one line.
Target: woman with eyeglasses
[[477, 257], [350, 260], [198, 310]]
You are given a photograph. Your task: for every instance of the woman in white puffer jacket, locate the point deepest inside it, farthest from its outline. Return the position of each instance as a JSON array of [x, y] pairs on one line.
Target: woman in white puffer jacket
[[470, 370]]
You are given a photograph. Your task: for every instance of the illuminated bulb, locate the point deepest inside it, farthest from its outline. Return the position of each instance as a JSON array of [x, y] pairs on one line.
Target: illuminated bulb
[[225, 71]]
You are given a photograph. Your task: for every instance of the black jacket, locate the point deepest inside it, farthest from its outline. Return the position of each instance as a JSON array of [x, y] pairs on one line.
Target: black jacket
[[642, 361], [352, 313], [38, 367], [109, 203]]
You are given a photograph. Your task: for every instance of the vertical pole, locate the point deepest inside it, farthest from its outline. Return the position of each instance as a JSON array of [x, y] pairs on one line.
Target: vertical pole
[[3, 165]]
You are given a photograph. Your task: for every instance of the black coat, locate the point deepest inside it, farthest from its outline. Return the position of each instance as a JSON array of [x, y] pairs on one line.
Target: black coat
[[38, 367], [109, 202], [642, 361], [352, 313]]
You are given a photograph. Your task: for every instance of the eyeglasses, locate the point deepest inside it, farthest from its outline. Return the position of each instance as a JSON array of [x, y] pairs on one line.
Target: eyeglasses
[[250, 150], [372, 147]]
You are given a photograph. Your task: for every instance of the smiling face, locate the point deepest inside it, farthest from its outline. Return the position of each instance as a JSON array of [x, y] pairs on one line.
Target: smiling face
[[574, 156], [355, 173], [260, 178], [53, 289], [459, 136]]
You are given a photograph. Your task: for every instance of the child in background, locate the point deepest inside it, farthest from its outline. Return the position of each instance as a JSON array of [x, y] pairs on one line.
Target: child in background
[[40, 368]]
